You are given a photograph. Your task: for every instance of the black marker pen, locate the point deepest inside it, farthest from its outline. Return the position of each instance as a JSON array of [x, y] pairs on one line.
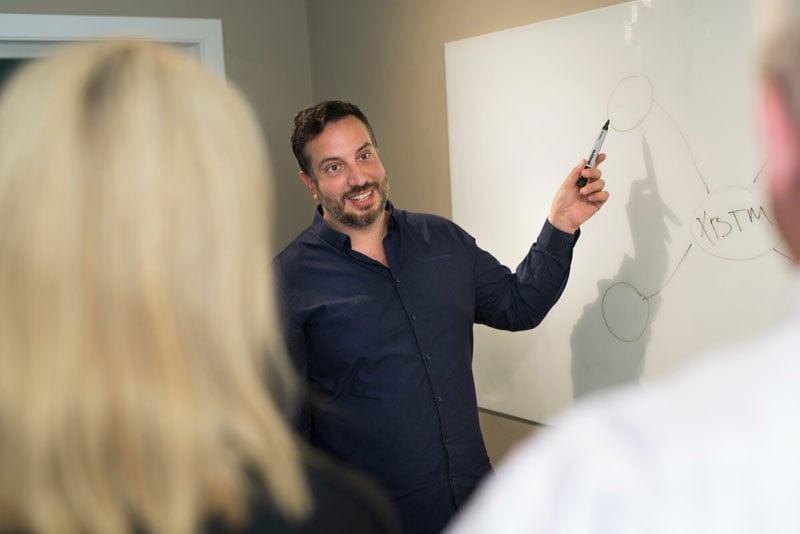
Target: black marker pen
[[595, 152]]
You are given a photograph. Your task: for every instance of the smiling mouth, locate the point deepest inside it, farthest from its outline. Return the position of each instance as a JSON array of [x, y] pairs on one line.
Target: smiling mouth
[[361, 197]]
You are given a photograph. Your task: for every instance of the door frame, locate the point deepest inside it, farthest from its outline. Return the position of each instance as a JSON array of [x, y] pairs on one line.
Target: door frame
[[29, 36]]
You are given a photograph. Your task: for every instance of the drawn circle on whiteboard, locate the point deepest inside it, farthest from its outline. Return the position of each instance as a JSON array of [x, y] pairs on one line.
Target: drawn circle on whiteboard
[[626, 312], [630, 102]]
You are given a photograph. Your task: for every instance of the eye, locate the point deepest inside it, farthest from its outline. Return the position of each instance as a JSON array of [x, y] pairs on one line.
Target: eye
[[333, 168], [365, 156]]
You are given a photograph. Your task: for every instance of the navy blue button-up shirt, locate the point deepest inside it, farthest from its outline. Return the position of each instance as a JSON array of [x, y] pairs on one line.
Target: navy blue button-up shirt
[[388, 351]]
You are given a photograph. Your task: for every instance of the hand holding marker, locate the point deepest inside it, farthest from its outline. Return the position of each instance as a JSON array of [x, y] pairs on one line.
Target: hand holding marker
[[595, 152]]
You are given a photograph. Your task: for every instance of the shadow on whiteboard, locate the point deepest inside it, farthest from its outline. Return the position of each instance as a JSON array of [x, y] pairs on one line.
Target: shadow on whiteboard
[[609, 340]]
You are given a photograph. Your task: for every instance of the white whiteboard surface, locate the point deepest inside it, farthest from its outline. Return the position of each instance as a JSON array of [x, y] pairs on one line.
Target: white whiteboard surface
[[683, 256]]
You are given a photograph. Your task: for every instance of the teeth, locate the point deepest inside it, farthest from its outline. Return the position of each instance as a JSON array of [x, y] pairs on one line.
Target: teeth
[[362, 196]]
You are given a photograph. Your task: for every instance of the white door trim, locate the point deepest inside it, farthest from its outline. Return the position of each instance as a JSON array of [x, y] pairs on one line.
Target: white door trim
[[34, 35]]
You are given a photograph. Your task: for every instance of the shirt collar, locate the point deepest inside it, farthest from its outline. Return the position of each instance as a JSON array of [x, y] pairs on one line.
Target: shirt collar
[[336, 238]]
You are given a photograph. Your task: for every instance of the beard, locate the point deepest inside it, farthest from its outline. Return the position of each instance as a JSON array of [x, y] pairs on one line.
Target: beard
[[337, 208]]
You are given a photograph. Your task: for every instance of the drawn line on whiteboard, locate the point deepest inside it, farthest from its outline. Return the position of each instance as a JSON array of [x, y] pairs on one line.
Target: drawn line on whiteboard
[[627, 312], [673, 273], [630, 89], [637, 332], [688, 147], [760, 170], [629, 104]]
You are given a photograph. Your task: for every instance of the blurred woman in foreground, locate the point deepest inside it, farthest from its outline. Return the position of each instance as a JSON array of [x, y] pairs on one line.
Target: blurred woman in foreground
[[137, 323]]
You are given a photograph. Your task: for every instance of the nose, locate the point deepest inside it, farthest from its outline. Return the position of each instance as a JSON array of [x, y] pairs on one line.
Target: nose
[[355, 177]]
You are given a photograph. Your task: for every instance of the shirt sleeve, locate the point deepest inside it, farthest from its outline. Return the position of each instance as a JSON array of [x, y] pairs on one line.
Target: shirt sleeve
[[520, 300]]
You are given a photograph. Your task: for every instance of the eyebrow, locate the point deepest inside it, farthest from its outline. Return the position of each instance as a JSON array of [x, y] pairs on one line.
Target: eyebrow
[[323, 161]]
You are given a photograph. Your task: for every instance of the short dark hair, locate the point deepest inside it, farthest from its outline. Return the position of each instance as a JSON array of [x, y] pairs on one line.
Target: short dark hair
[[310, 122]]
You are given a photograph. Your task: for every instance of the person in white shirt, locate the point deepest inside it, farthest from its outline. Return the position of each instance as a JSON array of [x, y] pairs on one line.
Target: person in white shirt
[[714, 449]]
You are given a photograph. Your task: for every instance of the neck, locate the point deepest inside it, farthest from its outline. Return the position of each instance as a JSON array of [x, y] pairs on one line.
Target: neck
[[367, 240]]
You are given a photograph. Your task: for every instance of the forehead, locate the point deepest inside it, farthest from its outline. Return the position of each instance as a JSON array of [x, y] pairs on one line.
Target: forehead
[[338, 139]]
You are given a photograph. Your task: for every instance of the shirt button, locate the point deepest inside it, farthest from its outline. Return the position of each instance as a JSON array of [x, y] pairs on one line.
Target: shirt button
[[413, 317], [439, 398], [428, 357], [396, 280]]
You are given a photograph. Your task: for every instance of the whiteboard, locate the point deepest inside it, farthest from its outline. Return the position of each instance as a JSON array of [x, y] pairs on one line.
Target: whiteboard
[[684, 255]]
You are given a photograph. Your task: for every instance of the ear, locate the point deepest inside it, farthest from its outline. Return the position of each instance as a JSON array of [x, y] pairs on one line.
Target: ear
[[782, 138], [309, 181]]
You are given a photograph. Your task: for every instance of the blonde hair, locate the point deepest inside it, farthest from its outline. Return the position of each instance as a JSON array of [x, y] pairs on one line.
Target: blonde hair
[[779, 33], [137, 315]]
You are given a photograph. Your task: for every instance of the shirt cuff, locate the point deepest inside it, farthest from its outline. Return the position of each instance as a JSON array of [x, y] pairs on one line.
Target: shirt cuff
[[555, 241]]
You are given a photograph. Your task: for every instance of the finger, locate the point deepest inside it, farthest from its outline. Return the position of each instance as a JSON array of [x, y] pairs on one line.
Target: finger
[[601, 157], [574, 174], [593, 185], [599, 198], [592, 174]]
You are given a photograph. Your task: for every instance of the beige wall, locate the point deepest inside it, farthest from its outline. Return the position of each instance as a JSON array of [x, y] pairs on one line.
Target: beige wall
[[266, 55], [387, 56], [501, 433]]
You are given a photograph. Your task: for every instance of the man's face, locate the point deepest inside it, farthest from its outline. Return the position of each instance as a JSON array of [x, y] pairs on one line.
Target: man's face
[[348, 176]]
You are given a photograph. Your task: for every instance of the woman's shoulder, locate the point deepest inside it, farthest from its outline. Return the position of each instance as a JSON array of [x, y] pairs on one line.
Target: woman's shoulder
[[344, 493], [344, 501]]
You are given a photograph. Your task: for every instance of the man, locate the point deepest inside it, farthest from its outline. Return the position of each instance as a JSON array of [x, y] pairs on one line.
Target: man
[[713, 450], [382, 304]]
